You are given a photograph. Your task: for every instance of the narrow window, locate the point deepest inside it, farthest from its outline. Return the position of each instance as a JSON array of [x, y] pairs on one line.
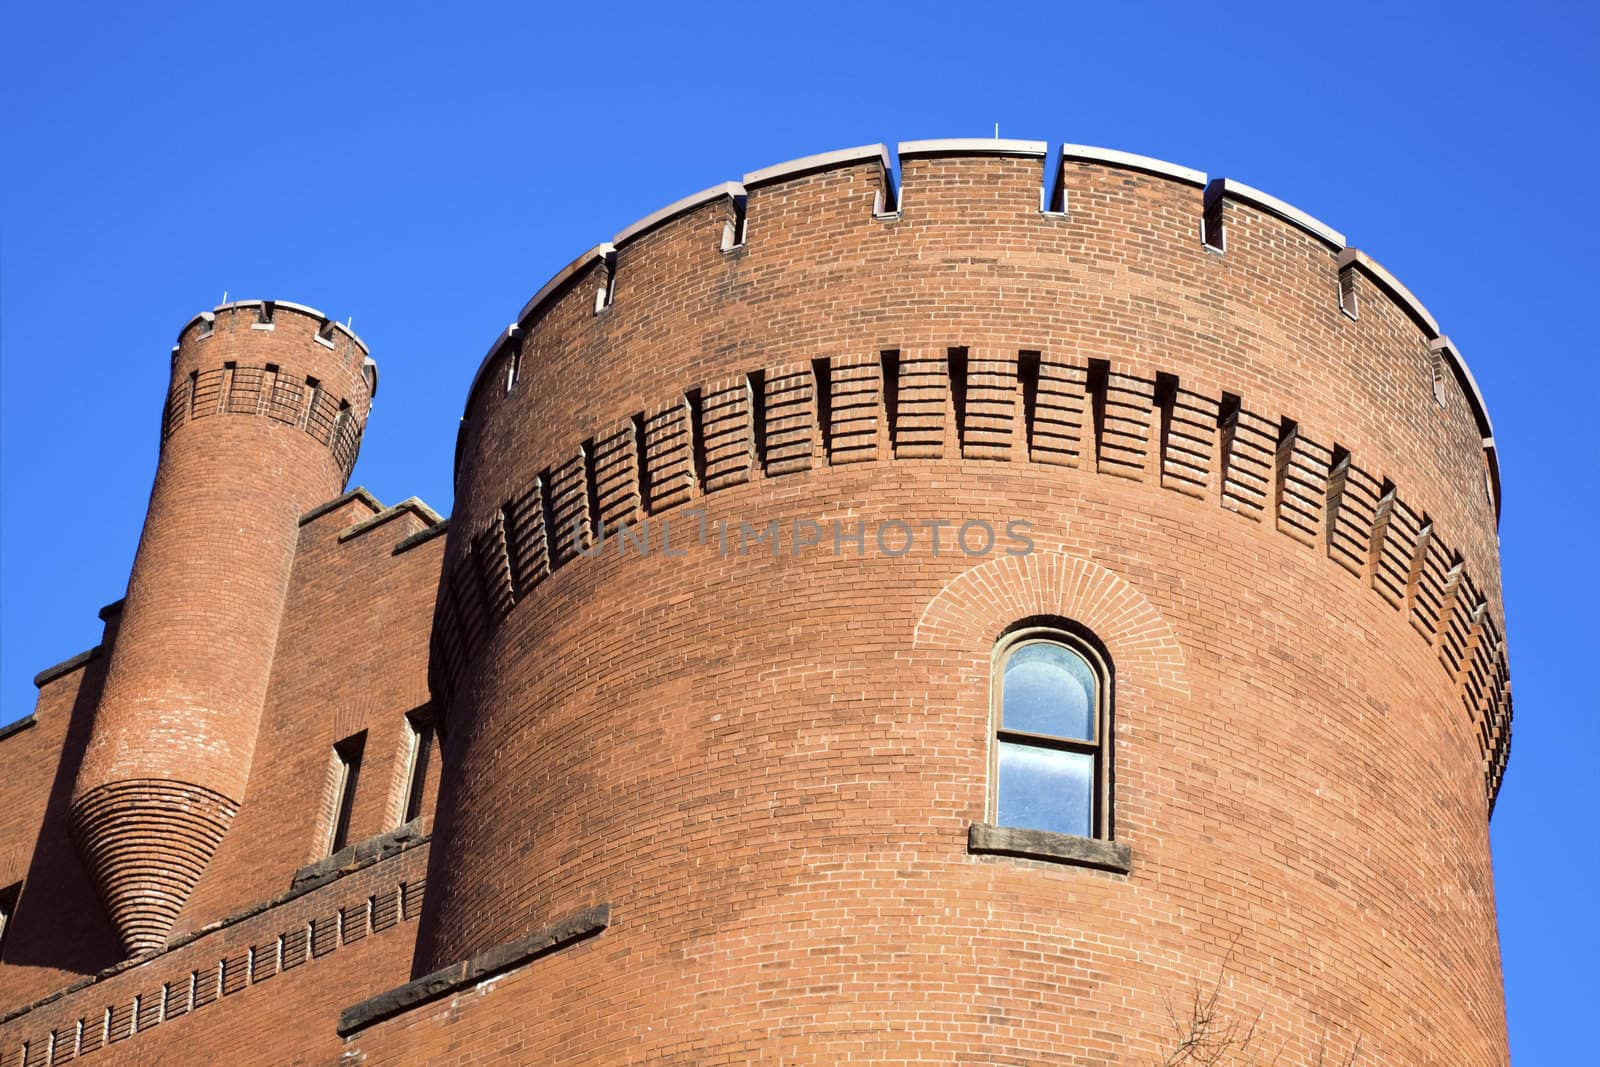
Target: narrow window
[[8, 908], [314, 390], [421, 730], [346, 769], [1051, 714]]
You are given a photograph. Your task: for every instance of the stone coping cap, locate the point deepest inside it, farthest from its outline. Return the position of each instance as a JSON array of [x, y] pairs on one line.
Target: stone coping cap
[[1354, 257], [1215, 188], [598, 253], [422, 536], [1469, 384], [973, 146], [358, 493], [65, 667], [1272, 205], [1437, 341], [821, 161], [1130, 161], [11, 728], [676, 208], [410, 504], [303, 309]]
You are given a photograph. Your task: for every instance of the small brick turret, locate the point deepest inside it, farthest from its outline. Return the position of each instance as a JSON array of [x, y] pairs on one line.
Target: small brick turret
[[263, 421]]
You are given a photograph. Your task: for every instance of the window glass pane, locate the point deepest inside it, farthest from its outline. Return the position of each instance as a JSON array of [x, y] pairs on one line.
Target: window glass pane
[[1048, 689], [1046, 789]]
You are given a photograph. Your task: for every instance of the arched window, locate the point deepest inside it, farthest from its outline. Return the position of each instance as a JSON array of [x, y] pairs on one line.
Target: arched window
[[1051, 734]]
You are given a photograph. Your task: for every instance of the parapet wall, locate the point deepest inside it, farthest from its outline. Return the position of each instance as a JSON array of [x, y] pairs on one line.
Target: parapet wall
[[1129, 317], [333, 413], [728, 203]]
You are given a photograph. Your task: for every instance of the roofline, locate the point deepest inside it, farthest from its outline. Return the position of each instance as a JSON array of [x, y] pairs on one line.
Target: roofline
[[1354, 257], [1272, 205], [359, 493], [596, 254], [793, 168], [973, 146], [66, 666], [410, 505], [1130, 161], [1469, 385], [731, 190], [303, 309], [1214, 189]]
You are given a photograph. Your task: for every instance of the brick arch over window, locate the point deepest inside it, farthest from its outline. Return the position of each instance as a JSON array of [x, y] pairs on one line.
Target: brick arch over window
[[975, 607]]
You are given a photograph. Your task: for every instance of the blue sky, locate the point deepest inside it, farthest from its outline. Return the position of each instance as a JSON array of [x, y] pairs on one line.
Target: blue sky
[[424, 168]]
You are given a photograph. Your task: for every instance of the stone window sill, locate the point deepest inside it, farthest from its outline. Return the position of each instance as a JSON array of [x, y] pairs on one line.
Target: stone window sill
[[1070, 849]]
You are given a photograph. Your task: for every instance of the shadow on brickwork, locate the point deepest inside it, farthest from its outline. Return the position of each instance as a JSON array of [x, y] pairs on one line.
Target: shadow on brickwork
[[60, 921]]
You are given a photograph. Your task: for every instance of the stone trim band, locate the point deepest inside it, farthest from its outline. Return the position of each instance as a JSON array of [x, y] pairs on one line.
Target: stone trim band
[[189, 990], [487, 964]]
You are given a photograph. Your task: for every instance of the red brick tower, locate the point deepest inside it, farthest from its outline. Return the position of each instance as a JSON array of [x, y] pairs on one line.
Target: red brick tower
[[263, 421], [1262, 501]]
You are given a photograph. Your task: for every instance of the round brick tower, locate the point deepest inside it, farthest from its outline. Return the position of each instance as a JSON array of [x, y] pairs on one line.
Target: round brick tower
[[263, 421], [1225, 454]]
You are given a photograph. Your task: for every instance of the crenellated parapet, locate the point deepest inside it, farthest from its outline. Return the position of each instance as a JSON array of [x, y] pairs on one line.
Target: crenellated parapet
[[333, 413], [724, 212], [1118, 314]]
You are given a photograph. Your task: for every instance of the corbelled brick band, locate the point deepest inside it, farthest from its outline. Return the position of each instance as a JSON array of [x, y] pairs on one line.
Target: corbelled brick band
[[267, 391], [1253, 467], [1329, 504], [188, 675], [147, 865]]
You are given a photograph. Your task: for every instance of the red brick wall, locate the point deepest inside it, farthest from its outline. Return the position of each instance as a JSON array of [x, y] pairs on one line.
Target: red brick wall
[[351, 655], [768, 766], [236, 994], [347, 624], [59, 932]]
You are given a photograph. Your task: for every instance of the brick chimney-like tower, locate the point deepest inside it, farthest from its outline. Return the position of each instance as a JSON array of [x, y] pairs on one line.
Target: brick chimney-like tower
[[263, 421]]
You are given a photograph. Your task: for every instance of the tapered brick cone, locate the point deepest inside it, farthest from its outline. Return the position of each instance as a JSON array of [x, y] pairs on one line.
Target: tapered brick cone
[[146, 843]]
